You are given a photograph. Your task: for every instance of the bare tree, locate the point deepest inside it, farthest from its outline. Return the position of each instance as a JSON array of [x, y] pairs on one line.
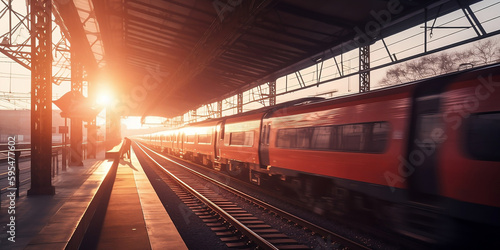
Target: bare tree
[[464, 57], [486, 51], [482, 52]]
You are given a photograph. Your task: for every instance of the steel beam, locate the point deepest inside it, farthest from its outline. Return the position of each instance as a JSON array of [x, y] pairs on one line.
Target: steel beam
[[239, 104], [76, 137], [272, 93], [41, 98], [219, 109], [217, 39], [91, 122], [364, 68], [75, 31]]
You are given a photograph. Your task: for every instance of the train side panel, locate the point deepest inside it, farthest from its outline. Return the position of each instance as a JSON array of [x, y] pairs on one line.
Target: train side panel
[[470, 152], [379, 165], [241, 139], [199, 141]]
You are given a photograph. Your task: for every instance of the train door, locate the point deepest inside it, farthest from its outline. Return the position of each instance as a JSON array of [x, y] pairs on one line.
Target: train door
[[422, 159], [219, 139], [264, 143], [181, 144]]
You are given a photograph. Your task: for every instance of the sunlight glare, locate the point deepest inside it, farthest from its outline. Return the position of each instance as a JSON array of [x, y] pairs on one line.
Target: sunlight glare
[[104, 99]]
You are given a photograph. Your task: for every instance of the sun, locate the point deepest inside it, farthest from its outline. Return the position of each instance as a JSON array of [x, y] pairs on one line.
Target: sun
[[105, 99]]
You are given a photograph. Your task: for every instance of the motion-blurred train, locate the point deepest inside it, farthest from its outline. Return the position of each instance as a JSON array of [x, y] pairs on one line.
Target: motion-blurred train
[[423, 156]]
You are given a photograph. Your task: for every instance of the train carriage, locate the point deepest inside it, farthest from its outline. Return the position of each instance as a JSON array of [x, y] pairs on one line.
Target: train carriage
[[424, 155], [199, 142], [469, 154], [347, 139], [238, 142]]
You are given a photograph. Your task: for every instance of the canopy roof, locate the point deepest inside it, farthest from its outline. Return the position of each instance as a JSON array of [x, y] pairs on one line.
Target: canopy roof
[[166, 57]]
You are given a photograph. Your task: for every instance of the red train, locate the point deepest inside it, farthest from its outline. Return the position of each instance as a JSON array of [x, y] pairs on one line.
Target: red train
[[424, 155]]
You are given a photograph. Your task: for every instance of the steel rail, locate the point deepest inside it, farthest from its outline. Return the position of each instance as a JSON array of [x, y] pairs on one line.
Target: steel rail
[[254, 237], [325, 233]]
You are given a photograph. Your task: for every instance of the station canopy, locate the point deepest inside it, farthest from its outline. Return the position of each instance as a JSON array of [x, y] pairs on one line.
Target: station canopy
[[166, 57]]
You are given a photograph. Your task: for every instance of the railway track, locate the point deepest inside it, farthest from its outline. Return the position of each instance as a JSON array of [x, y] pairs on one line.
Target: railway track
[[233, 223]]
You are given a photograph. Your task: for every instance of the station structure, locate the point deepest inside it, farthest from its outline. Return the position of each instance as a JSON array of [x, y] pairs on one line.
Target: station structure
[[168, 58]]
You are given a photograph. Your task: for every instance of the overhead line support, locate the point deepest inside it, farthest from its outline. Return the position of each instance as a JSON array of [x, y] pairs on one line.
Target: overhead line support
[[364, 68]]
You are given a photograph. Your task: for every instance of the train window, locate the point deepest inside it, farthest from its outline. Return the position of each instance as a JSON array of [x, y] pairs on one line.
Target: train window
[[304, 137], [352, 136], [189, 138], [482, 139], [361, 137], [378, 140], [204, 139], [222, 129], [286, 138], [268, 134], [241, 138], [321, 138]]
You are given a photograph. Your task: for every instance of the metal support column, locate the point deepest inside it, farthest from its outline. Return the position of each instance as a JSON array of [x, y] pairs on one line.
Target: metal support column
[[364, 66], [219, 109], [113, 128], [272, 93], [41, 98], [91, 139], [194, 116], [76, 136], [239, 105]]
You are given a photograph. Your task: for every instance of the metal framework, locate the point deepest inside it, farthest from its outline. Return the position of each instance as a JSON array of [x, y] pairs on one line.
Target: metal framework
[[194, 116], [41, 98], [19, 25], [15, 43], [239, 105], [272, 93], [364, 68], [219, 109], [211, 46], [76, 136]]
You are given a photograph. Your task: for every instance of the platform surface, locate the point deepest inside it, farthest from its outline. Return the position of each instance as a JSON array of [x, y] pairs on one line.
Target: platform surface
[[32, 213], [135, 218]]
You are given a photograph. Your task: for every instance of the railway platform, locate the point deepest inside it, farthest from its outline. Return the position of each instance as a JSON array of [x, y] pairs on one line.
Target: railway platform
[[107, 203], [135, 217], [32, 213]]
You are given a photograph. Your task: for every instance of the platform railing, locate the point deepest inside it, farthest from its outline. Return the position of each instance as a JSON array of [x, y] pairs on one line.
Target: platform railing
[[9, 164]]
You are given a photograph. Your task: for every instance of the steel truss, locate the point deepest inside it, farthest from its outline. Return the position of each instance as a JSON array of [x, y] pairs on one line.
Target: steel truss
[[15, 42], [364, 68], [263, 94]]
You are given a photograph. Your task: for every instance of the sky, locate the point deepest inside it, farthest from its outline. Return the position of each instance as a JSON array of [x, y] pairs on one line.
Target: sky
[[15, 79]]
